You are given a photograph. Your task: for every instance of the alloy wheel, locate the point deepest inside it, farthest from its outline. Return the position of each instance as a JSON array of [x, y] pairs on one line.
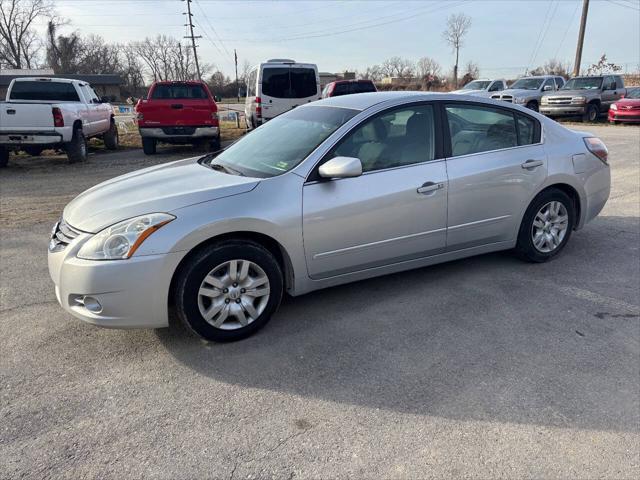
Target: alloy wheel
[[549, 226], [233, 294]]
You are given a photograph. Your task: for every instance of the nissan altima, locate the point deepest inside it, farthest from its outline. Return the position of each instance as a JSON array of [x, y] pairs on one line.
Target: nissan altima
[[331, 192]]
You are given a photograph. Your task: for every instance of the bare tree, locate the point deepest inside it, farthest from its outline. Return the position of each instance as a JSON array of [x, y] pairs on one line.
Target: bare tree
[[19, 43], [373, 73], [63, 51], [553, 67], [397, 67], [603, 66], [471, 72], [427, 67], [457, 27]]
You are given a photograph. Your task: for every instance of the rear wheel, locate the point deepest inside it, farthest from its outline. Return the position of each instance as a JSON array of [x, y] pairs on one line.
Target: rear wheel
[[77, 150], [591, 113], [111, 139], [33, 151], [229, 290], [546, 226], [149, 145], [4, 157]]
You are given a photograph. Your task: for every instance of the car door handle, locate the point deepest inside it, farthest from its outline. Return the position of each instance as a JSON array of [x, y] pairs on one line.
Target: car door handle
[[430, 187], [532, 164]]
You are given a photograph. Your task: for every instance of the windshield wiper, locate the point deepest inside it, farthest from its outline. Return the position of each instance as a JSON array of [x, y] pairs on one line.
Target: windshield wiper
[[221, 168]]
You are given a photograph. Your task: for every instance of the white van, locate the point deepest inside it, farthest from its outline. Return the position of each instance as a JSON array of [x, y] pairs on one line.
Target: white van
[[277, 86]]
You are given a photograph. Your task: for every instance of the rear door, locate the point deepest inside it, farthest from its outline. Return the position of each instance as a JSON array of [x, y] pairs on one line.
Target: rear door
[[283, 87], [496, 162], [178, 104]]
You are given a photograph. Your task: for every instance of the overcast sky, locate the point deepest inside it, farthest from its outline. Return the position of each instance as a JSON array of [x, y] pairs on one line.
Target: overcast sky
[[506, 36]]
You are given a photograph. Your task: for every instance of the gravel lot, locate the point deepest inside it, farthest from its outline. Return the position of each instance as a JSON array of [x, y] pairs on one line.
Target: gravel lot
[[486, 367]]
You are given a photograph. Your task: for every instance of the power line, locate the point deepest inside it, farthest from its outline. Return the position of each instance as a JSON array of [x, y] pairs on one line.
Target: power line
[[625, 5], [569, 24], [213, 29]]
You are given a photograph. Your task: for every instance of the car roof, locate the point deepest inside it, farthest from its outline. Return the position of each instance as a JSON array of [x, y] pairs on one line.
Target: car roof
[[354, 80]]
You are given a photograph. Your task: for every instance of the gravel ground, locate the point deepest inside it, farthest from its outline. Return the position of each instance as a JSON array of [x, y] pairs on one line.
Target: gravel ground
[[486, 367]]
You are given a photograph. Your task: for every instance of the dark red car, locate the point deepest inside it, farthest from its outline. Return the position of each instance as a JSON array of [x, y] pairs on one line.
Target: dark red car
[[178, 112], [347, 87], [627, 109]]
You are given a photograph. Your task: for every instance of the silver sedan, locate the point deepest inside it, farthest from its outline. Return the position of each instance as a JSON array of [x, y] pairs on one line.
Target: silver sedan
[[335, 191]]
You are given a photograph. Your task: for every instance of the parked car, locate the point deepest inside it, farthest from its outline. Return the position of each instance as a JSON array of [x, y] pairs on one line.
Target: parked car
[[348, 87], [528, 91], [627, 109], [482, 87], [57, 113], [277, 86], [375, 184], [584, 96], [178, 113]]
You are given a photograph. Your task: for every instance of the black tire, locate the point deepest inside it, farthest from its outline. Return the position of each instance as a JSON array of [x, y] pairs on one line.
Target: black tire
[[33, 151], [533, 105], [214, 145], [4, 157], [525, 247], [192, 274], [149, 145], [591, 113], [77, 149], [111, 138]]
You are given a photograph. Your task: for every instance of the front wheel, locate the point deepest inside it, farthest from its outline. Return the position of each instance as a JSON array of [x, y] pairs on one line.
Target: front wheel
[[591, 113], [532, 105], [546, 226], [111, 139], [229, 291]]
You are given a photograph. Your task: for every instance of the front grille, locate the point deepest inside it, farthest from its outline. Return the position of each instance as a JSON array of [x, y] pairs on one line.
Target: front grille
[[559, 100], [179, 130], [504, 98], [62, 235]]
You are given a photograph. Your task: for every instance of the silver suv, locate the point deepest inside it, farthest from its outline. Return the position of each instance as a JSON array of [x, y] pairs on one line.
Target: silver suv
[[528, 91]]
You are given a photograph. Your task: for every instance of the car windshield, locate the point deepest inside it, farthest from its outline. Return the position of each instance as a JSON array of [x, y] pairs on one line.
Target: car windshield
[[633, 93], [476, 85], [282, 143], [528, 83], [586, 83]]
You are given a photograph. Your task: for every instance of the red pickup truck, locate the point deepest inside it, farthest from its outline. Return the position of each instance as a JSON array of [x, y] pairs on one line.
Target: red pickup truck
[[178, 113]]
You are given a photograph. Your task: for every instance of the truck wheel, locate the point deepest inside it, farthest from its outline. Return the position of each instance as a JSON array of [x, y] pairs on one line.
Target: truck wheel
[[110, 137], [149, 146], [591, 113], [77, 150], [214, 146], [33, 151], [533, 105], [4, 157]]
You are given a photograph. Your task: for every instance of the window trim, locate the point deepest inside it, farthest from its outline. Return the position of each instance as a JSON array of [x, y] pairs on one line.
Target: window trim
[[439, 153], [539, 133]]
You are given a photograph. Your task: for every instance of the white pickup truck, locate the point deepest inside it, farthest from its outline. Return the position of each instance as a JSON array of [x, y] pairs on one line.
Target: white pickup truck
[[57, 113]]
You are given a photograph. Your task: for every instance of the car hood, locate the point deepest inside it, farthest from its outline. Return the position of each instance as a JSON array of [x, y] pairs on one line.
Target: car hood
[[467, 92], [161, 188], [572, 93], [630, 102], [518, 92]]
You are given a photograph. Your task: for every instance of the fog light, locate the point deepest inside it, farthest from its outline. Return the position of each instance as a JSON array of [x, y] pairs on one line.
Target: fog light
[[90, 303]]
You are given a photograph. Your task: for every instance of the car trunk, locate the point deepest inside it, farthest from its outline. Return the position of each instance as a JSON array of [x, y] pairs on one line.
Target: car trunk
[[25, 117], [182, 111]]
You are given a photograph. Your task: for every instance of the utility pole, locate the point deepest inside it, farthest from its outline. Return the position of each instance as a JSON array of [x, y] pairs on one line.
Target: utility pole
[[583, 26], [192, 36], [235, 56]]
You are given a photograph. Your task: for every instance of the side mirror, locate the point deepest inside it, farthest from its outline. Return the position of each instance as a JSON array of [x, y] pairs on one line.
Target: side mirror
[[217, 98], [546, 88], [341, 167]]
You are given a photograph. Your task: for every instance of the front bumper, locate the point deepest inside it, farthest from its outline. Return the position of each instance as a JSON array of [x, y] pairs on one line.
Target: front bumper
[[631, 116], [132, 293], [169, 133], [560, 110]]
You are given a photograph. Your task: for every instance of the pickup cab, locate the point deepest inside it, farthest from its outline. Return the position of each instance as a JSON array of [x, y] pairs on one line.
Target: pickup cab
[[57, 113], [178, 113], [585, 96]]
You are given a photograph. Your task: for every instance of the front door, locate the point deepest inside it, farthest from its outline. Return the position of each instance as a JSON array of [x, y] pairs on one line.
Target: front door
[[395, 211], [496, 165]]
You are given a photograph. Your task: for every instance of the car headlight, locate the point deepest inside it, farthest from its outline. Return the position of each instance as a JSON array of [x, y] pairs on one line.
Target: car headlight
[[520, 100], [544, 100], [121, 240], [578, 100], [613, 106]]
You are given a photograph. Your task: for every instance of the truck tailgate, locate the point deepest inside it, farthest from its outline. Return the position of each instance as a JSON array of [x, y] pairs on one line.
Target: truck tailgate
[[25, 117], [177, 112]]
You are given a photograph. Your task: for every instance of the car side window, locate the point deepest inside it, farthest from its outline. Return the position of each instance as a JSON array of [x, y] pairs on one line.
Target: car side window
[[402, 136], [340, 89], [475, 129], [527, 130], [496, 87], [548, 82], [559, 82]]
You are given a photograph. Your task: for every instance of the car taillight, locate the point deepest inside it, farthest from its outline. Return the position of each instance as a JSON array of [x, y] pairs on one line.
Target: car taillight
[[258, 107], [598, 148], [58, 119]]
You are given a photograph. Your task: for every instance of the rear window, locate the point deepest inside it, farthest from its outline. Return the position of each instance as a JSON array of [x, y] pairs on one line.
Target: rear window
[[44, 91], [161, 92], [285, 82], [362, 87]]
